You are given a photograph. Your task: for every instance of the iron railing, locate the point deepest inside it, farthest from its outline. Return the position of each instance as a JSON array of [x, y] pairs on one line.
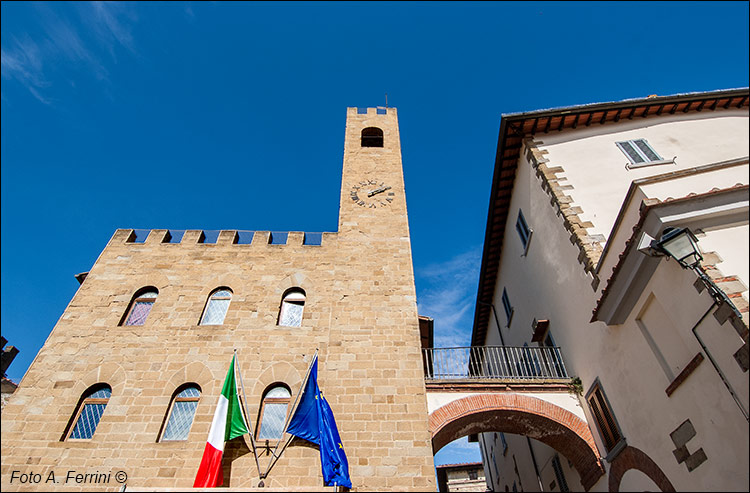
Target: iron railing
[[494, 362]]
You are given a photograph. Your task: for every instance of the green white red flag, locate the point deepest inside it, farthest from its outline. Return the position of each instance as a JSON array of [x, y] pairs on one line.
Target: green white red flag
[[228, 423]]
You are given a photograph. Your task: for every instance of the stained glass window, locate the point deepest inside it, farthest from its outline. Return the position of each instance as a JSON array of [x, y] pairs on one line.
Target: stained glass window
[[292, 307], [141, 307], [89, 413], [273, 413], [181, 414], [216, 308]]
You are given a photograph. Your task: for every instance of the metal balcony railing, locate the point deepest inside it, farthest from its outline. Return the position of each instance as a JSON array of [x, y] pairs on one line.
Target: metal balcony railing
[[494, 362]]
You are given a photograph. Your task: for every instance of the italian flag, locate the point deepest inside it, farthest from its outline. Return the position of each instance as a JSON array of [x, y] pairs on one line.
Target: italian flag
[[228, 423]]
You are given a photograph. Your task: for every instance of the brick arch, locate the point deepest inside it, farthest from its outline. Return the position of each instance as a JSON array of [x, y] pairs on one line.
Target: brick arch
[[633, 458], [522, 415]]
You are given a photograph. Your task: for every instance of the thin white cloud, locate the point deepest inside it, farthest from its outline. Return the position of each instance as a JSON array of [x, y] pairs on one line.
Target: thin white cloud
[[66, 42], [106, 20], [447, 295], [76, 36], [23, 62]]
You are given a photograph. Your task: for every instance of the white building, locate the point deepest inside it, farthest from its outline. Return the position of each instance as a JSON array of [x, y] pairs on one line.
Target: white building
[[578, 193]]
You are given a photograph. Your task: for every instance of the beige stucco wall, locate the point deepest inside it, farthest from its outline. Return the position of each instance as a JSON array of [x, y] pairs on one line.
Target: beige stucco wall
[[589, 154], [360, 313], [550, 283]]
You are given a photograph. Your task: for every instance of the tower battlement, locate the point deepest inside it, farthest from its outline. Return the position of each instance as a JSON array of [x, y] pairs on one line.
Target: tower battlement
[[378, 110], [241, 238]]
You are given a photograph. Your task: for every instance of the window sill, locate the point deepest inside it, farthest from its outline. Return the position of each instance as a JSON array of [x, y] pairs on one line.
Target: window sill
[[650, 163]]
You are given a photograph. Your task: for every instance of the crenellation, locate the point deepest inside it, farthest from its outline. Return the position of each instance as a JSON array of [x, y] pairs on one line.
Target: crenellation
[[193, 236], [157, 236], [227, 237]]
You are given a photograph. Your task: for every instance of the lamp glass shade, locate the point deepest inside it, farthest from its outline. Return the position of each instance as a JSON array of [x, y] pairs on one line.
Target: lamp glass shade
[[682, 245]]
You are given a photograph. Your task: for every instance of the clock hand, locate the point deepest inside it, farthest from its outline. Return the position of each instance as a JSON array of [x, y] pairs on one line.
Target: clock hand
[[377, 191]]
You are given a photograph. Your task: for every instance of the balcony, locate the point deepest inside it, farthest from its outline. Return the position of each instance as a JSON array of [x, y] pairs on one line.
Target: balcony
[[496, 364]]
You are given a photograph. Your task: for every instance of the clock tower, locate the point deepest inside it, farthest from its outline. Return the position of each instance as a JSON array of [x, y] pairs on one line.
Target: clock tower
[[373, 201]]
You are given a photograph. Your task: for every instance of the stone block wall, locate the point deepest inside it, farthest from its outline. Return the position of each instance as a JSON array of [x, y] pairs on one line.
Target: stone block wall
[[360, 313]]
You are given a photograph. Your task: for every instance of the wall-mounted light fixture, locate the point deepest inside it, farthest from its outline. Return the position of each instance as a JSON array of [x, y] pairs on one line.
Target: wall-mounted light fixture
[[682, 245]]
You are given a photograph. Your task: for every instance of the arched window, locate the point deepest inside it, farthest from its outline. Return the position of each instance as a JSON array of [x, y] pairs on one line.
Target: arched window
[[180, 414], [292, 306], [372, 137], [273, 413], [141, 306], [89, 412], [216, 307]]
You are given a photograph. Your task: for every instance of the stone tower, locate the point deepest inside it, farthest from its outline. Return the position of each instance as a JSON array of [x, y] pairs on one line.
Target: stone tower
[[141, 329]]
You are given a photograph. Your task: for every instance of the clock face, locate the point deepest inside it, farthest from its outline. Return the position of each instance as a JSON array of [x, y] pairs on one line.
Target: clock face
[[371, 194]]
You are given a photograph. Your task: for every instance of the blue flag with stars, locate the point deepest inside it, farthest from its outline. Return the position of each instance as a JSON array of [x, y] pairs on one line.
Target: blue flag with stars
[[313, 421]]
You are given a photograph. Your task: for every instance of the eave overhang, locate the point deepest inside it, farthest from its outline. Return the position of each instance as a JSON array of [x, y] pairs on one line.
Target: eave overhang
[[514, 128]]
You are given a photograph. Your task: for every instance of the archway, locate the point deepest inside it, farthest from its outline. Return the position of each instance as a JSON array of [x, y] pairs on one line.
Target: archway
[[633, 458], [522, 415]]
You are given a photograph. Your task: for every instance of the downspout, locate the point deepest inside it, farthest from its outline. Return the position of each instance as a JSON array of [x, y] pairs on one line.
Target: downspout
[[497, 323], [713, 362], [536, 467]]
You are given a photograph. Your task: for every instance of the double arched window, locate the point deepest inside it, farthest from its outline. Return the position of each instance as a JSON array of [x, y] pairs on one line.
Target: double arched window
[[89, 412], [181, 413], [140, 306], [292, 307], [273, 411], [216, 307]]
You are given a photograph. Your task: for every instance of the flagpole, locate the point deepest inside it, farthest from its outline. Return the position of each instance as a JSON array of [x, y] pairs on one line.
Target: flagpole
[[244, 409], [275, 457]]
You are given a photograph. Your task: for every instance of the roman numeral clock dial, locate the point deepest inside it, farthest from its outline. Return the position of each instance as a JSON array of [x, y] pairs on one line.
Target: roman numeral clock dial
[[372, 194]]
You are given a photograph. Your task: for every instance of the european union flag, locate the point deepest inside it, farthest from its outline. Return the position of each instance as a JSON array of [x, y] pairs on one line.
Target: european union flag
[[313, 421]]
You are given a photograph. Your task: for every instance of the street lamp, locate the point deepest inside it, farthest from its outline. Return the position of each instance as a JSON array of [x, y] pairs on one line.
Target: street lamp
[[682, 245]]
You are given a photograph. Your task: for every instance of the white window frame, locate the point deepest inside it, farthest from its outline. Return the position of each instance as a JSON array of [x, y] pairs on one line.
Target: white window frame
[[639, 153]]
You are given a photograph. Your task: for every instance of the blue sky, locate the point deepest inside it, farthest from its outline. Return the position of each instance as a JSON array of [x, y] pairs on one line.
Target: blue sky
[[231, 116]]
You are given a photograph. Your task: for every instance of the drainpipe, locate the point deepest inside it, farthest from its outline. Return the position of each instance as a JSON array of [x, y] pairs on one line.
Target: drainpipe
[[713, 362], [536, 467], [497, 323]]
